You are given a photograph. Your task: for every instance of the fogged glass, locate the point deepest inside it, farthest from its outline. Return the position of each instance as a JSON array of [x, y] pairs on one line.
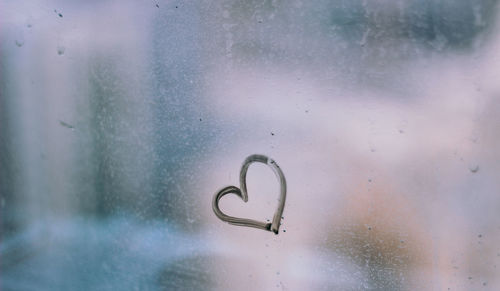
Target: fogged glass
[[120, 120]]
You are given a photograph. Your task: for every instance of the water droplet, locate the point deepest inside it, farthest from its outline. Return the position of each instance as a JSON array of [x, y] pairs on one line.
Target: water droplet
[[62, 123], [58, 13], [19, 43], [60, 50]]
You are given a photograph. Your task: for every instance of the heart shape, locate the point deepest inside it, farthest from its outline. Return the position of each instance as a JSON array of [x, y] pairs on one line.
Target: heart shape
[[243, 194]]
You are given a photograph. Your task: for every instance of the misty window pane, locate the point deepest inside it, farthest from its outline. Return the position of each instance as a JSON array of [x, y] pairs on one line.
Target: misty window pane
[[120, 120]]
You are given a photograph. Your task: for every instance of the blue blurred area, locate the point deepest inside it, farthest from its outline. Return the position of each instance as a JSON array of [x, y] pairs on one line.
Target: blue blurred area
[[108, 254]]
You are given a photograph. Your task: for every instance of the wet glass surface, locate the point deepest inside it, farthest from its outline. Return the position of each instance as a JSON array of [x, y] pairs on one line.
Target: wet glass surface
[[120, 120]]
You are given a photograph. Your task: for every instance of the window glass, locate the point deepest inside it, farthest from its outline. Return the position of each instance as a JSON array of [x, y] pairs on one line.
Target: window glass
[[120, 121]]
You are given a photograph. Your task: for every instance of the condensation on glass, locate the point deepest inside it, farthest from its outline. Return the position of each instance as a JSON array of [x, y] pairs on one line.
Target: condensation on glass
[[119, 121]]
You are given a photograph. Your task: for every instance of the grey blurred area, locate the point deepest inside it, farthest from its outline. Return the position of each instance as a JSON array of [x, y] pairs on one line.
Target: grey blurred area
[[120, 119]]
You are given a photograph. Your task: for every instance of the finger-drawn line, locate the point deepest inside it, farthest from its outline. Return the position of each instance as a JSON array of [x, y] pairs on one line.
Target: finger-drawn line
[[243, 194]]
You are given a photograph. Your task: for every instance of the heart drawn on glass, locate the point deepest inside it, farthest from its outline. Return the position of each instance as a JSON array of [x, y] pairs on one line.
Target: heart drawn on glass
[[243, 194]]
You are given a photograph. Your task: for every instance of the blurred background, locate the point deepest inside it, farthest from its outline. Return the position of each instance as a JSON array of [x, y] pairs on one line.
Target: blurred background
[[119, 120]]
